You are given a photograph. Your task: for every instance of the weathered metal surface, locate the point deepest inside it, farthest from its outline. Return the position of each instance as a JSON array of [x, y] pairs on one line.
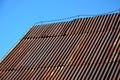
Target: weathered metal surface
[[85, 48]]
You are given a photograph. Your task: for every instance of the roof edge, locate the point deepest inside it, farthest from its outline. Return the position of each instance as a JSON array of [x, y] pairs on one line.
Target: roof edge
[[15, 44]]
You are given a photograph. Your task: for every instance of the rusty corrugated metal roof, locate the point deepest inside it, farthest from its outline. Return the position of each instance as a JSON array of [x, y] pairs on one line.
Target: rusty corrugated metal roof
[[85, 48]]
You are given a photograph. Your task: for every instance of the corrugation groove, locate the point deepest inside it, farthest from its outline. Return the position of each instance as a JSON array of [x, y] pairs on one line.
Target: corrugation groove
[[68, 66], [84, 48], [91, 42], [98, 49], [9, 56], [112, 65], [103, 67], [10, 60]]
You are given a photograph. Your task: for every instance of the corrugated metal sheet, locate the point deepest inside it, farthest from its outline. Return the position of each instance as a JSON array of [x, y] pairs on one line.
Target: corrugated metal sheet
[[85, 48]]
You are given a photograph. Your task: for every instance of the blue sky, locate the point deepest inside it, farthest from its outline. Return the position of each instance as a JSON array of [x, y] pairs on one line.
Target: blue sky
[[16, 16]]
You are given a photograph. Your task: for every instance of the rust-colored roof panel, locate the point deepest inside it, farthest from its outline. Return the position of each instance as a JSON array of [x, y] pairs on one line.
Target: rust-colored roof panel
[[85, 48]]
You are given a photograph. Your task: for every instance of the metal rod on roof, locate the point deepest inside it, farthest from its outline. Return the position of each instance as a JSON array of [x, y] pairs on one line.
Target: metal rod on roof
[[119, 10], [73, 17]]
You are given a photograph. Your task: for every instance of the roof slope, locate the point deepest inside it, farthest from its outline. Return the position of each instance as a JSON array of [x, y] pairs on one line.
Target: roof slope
[[85, 48]]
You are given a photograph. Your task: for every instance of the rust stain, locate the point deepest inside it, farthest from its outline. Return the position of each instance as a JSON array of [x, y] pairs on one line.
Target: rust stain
[[81, 49]]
